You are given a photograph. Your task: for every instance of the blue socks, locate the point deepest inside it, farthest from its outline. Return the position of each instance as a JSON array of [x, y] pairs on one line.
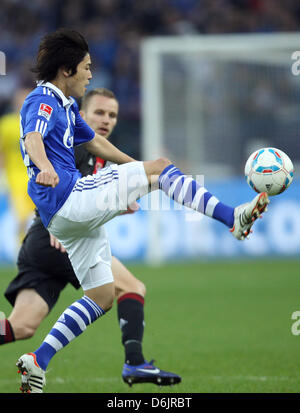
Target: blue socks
[[186, 191], [70, 325]]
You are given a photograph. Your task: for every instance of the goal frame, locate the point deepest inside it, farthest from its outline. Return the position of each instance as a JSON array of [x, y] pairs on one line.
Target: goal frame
[[227, 46]]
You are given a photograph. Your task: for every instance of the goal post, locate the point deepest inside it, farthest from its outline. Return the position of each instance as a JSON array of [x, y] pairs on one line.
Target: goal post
[[208, 101]]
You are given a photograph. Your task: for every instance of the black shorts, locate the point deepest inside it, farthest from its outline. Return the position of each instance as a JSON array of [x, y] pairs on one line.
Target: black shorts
[[41, 267]]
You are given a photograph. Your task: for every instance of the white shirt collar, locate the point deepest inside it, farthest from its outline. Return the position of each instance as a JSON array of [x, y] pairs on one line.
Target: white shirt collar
[[65, 100]]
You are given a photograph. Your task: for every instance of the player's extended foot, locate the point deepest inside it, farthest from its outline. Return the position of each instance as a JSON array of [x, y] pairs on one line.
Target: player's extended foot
[[33, 377], [246, 214], [148, 373]]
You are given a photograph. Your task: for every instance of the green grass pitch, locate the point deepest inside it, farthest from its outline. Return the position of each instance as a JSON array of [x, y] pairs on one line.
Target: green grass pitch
[[225, 327]]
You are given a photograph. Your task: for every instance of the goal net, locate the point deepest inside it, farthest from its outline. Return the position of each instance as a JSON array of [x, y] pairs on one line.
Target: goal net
[[210, 101]]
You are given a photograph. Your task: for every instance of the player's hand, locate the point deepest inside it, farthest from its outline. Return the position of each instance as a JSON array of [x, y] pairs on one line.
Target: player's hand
[[47, 178], [56, 244], [131, 209]]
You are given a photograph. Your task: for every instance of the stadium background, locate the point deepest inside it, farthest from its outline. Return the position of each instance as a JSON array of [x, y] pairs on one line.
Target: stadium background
[[240, 296]]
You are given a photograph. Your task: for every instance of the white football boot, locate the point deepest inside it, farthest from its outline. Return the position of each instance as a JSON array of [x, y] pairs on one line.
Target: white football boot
[[33, 377], [246, 214]]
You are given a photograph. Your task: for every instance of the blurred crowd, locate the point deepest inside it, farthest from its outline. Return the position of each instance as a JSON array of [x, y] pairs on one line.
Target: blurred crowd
[[115, 28]]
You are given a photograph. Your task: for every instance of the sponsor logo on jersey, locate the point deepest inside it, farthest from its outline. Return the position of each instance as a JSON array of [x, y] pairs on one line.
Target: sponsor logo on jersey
[[45, 111]]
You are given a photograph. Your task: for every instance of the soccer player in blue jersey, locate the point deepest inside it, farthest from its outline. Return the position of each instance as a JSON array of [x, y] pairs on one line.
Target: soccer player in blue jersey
[[74, 208], [44, 268]]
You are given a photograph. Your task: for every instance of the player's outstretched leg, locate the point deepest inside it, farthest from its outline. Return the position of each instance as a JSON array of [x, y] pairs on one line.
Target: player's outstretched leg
[[188, 192]]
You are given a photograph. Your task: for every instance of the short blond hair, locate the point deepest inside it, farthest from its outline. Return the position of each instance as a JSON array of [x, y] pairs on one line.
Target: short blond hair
[[101, 91]]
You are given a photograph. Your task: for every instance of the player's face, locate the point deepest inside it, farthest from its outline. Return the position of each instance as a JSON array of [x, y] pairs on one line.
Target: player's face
[[101, 114], [77, 83]]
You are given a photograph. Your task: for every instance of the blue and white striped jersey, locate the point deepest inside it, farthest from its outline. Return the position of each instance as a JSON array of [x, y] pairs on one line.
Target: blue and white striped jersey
[[48, 111]]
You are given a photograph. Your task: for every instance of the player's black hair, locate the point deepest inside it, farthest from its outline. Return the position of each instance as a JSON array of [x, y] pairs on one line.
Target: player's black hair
[[63, 48]]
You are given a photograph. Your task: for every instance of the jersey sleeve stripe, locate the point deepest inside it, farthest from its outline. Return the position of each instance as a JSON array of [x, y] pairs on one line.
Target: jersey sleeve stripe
[[37, 125], [41, 126], [44, 130]]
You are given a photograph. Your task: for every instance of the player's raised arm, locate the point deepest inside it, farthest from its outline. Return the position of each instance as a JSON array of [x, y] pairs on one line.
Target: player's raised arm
[[36, 150], [101, 147]]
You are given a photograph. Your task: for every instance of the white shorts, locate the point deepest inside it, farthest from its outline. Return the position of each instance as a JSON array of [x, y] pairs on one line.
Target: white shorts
[[94, 200]]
